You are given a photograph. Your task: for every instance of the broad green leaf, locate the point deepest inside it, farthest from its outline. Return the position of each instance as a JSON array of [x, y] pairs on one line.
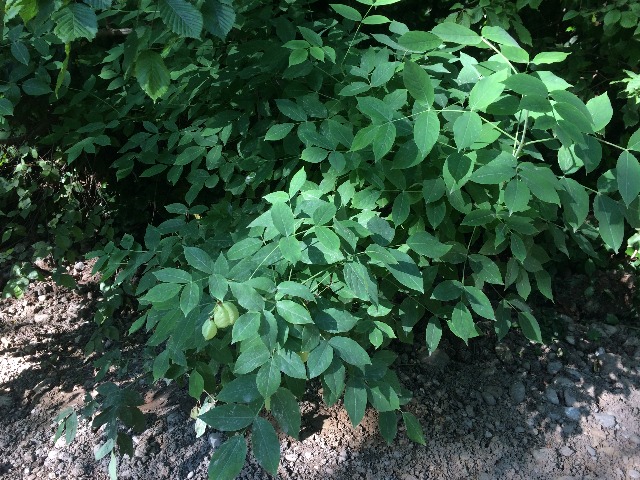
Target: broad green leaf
[[173, 275], [383, 140], [293, 312], [253, 357], [466, 129], [347, 12], [181, 17], [283, 219], [424, 243], [485, 92], [364, 137], [401, 208], [406, 271], [426, 131], [75, 20], [575, 201], [574, 116], [461, 323], [609, 214], [218, 17], [388, 425], [549, 57], [246, 327], [278, 131], [543, 280], [265, 445], [327, 237], [375, 109], [297, 181], [229, 417], [414, 429], [269, 377], [479, 302], [198, 259], [218, 286], [417, 41], [292, 110], [455, 33], [20, 52], [628, 176], [634, 141], [350, 351], [290, 249], [601, 111], [525, 84], [296, 57], [418, 82], [286, 410], [162, 293], [447, 290], [534, 103], [319, 359], [314, 154], [530, 326], [355, 88], [190, 297], [335, 320], [6, 107], [152, 74], [291, 364], [357, 278], [375, 20], [500, 169], [244, 248], [457, 171], [196, 384], [355, 400], [247, 296], [228, 459], [433, 334], [517, 196], [295, 289], [542, 182], [499, 35]]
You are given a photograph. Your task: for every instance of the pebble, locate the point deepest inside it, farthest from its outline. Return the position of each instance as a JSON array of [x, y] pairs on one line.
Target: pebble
[[635, 438], [552, 396], [79, 266], [569, 398], [41, 317], [566, 451], [572, 413], [633, 474], [308, 455], [291, 457], [190, 475], [591, 451], [488, 398], [554, 367], [542, 455], [570, 339], [517, 392], [215, 439], [605, 419]]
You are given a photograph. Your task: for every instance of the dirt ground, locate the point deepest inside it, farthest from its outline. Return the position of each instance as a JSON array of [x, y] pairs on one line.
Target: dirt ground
[[509, 410]]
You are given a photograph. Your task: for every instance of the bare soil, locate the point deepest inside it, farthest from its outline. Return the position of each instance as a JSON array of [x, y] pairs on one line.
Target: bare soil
[[508, 410]]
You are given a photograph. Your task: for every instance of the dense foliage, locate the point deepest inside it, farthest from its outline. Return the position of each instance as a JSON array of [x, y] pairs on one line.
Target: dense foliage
[[307, 184]]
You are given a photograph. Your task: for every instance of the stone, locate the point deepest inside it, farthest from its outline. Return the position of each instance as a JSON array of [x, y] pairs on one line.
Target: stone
[[215, 439], [566, 451], [504, 353], [635, 438], [40, 318], [542, 455], [488, 398], [570, 339], [605, 419], [79, 266], [633, 474], [291, 457], [572, 413], [517, 392], [569, 398], [554, 367], [552, 396], [591, 451]]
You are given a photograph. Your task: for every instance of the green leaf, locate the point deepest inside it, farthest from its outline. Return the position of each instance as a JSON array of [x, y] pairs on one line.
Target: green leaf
[[291, 364], [314, 154], [244, 248], [278, 131], [383, 140], [265, 445], [218, 18], [424, 243], [418, 82], [247, 296], [196, 384], [173, 275], [433, 334], [500, 169], [347, 12], [290, 249], [327, 238], [426, 131], [350, 351], [357, 278], [162, 293], [461, 323], [628, 176], [634, 141], [228, 459], [253, 357], [479, 302], [199, 259], [388, 425], [485, 92], [609, 214], [355, 400], [293, 312], [467, 129], [406, 271], [417, 41], [457, 171], [297, 181], [530, 326], [401, 208], [190, 297], [229, 417], [246, 327], [517, 196], [283, 219], [549, 57], [414, 429], [75, 20], [575, 201], [375, 109], [286, 410], [6, 107], [242, 389], [269, 377], [181, 17], [319, 359], [601, 111], [375, 20], [292, 110], [296, 57], [152, 74], [525, 84], [455, 33], [499, 35], [218, 286], [20, 52]]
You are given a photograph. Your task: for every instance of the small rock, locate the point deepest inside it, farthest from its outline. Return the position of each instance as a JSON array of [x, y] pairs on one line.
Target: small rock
[[488, 398], [552, 396], [569, 398], [570, 339], [504, 353], [79, 266], [42, 298], [517, 392], [190, 475], [291, 457], [469, 410], [566, 451], [633, 474], [591, 451], [215, 439], [308, 455], [605, 419], [518, 430], [572, 413], [554, 367], [635, 438], [40, 318], [542, 455]]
